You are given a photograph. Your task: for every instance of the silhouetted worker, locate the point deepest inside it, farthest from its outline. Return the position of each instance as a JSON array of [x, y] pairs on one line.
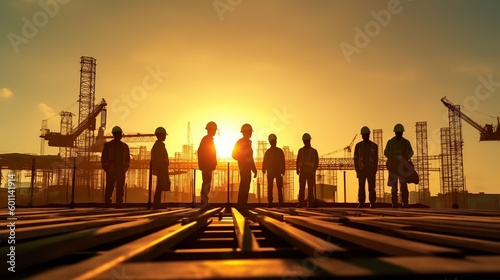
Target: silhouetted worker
[[366, 164], [398, 151], [159, 158], [207, 161], [307, 164], [243, 153], [115, 161], [274, 164]]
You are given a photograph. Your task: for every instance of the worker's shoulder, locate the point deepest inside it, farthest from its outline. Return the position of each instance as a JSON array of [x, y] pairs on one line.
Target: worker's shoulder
[[392, 139], [158, 144], [207, 138]]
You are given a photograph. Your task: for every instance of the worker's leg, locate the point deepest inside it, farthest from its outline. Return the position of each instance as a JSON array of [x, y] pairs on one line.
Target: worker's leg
[[246, 178], [110, 186], [393, 183], [279, 185], [372, 192], [120, 183], [404, 191], [205, 187], [311, 188], [361, 188], [161, 181], [302, 188], [270, 180]]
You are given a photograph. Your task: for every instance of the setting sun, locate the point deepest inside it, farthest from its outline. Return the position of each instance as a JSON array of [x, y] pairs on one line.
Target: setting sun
[[224, 142]]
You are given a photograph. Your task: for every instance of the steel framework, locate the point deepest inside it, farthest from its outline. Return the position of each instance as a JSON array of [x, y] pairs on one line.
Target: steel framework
[[456, 157], [446, 184], [86, 101], [66, 153], [422, 163], [379, 179]]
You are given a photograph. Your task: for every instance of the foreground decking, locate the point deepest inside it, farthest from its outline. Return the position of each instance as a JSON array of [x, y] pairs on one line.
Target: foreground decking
[[222, 243]]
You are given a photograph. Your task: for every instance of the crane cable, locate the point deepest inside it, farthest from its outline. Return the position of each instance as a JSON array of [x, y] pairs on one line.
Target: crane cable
[[65, 109]]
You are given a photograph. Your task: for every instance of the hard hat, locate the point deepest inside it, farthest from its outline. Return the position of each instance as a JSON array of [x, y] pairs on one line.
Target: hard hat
[[399, 128], [306, 136], [365, 129], [160, 130], [246, 127], [211, 125], [272, 137], [116, 129]]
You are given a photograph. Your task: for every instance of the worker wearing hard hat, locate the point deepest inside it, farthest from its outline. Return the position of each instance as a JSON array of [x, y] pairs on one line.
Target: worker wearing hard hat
[[243, 153], [115, 161], [398, 152], [274, 165], [306, 165], [366, 165], [159, 164], [207, 161]]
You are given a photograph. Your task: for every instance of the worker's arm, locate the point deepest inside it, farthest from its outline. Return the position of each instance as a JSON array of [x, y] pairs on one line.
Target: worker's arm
[[298, 161], [316, 160], [356, 166], [104, 158], [410, 150], [264, 162], [387, 151], [127, 157], [282, 162], [236, 151]]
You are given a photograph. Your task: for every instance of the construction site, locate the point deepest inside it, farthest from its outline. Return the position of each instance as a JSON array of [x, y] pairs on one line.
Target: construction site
[[55, 216], [50, 179]]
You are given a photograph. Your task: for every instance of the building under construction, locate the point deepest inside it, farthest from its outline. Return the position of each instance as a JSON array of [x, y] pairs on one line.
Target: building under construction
[[44, 179]]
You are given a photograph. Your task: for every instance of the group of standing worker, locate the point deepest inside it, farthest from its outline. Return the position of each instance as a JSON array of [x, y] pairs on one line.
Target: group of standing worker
[[397, 151], [116, 161]]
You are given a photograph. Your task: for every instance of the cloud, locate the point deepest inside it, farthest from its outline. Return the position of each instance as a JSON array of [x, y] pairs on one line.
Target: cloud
[[5, 93], [46, 110]]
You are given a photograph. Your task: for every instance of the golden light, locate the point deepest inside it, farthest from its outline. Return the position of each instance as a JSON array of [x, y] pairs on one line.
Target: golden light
[[224, 142]]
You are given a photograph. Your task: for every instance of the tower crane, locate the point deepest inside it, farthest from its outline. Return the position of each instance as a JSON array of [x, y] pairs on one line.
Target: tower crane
[[347, 149], [56, 139], [487, 133]]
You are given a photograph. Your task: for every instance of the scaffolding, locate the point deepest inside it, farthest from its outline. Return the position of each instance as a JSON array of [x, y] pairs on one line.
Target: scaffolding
[[422, 163], [85, 140], [379, 179], [288, 178], [456, 158], [66, 153], [446, 184], [261, 188]]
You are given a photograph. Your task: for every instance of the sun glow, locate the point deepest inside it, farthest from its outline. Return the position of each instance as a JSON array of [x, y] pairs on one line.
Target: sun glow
[[224, 143]]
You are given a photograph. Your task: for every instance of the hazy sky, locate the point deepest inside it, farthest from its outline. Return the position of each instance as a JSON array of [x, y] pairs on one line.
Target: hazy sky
[[288, 67]]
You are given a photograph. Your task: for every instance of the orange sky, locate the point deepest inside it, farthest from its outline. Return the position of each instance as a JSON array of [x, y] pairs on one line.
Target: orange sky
[[280, 65]]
